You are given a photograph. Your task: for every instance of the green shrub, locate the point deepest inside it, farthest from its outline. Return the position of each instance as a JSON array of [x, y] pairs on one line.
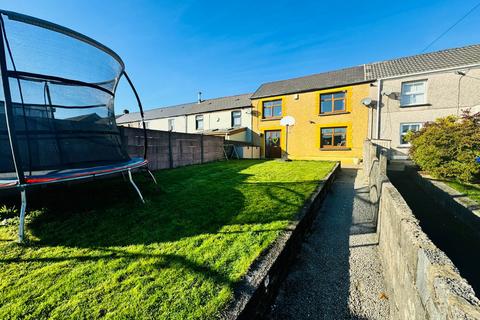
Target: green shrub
[[447, 148]]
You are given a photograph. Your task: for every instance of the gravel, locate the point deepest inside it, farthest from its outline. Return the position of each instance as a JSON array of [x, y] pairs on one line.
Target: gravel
[[337, 274]]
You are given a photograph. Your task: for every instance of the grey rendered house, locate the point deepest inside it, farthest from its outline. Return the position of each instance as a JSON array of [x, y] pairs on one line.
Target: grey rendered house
[[418, 89]]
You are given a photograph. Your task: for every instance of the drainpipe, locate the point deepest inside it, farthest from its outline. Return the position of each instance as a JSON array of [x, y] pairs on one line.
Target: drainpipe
[[186, 124], [379, 106]]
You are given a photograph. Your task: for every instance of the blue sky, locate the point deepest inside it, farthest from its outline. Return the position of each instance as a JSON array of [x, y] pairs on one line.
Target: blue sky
[[172, 49]]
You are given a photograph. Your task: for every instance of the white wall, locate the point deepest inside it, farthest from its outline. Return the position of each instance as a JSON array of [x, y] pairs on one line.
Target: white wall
[[211, 120]]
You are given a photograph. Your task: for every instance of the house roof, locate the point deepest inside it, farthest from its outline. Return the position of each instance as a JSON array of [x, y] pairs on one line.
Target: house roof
[[313, 82], [455, 57], [209, 105]]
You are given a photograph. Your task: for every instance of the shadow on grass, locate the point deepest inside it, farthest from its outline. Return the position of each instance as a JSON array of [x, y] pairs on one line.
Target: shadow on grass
[[187, 202]]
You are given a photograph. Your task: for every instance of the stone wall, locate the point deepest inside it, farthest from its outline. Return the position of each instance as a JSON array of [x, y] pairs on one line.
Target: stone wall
[[172, 149], [421, 280]]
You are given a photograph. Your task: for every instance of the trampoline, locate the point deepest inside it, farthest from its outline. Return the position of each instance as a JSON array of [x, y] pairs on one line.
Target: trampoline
[[57, 119]]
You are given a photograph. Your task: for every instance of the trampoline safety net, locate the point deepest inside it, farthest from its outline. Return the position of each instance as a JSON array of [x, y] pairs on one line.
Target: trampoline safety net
[[61, 87]]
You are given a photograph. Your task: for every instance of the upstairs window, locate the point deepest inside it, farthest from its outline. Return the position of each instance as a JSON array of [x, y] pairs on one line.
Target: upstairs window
[[236, 118], [272, 109], [333, 137], [171, 124], [332, 102], [199, 122], [413, 93], [406, 128]]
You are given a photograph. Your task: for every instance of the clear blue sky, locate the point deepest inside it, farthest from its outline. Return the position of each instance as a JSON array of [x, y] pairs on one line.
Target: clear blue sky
[[172, 49]]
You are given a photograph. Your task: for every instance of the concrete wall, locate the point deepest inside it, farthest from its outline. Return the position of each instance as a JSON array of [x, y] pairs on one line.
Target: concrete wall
[[211, 120], [172, 149], [304, 136], [444, 96], [421, 280]]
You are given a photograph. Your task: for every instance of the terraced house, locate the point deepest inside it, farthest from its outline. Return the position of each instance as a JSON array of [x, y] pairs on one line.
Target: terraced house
[[229, 117], [331, 123], [336, 111], [417, 89]]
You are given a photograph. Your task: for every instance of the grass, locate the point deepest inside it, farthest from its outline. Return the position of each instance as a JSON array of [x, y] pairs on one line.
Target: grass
[[470, 190], [95, 252]]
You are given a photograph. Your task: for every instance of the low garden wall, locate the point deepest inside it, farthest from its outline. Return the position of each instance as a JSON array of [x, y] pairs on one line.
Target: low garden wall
[[168, 149], [260, 286], [464, 209], [421, 280]]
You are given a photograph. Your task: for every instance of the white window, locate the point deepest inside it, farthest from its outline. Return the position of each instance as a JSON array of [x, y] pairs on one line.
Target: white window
[[171, 124], [199, 122], [413, 93], [236, 118], [407, 127]]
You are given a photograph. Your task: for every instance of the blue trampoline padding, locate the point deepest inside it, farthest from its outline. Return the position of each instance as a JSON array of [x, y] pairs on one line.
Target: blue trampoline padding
[[75, 174]]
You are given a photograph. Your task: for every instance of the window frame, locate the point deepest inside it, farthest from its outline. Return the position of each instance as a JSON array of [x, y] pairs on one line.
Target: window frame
[[420, 124], [232, 122], [197, 117], [272, 108], [331, 94], [171, 124], [333, 137], [402, 93]]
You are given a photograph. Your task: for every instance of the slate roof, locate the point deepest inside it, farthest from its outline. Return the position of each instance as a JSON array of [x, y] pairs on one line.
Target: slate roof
[[314, 82], [209, 105], [455, 57]]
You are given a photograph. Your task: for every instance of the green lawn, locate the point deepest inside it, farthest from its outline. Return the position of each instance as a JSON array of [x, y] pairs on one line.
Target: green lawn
[[470, 190], [95, 251]]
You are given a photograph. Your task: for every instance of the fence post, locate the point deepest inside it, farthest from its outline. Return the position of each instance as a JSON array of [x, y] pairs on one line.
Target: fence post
[[170, 155], [201, 148]]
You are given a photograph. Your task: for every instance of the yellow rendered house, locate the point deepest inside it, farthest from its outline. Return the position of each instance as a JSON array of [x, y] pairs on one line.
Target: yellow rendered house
[[331, 122]]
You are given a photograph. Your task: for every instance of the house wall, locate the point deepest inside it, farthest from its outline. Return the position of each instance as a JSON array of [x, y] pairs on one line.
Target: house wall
[[304, 136], [442, 96], [211, 120]]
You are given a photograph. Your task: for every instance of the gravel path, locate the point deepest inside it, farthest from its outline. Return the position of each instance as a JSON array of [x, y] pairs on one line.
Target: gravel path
[[337, 274]]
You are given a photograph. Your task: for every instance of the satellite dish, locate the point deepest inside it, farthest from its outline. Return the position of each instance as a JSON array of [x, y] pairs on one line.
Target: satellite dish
[[367, 101], [287, 121]]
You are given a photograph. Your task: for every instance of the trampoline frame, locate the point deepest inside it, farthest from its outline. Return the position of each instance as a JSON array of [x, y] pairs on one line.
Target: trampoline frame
[[22, 182]]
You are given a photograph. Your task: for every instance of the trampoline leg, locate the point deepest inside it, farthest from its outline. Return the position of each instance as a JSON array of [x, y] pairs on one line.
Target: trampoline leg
[[23, 208], [151, 175], [135, 186]]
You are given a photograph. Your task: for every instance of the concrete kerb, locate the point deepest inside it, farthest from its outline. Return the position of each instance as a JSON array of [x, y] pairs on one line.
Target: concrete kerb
[[259, 287]]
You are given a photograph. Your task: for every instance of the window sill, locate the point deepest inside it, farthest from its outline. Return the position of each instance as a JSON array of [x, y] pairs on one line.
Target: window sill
[[271, 119], [333, 113], [415, 105], [404, 146], [335, 149]]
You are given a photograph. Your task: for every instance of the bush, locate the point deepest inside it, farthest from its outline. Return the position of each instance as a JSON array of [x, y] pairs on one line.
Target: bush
[[448, 147]]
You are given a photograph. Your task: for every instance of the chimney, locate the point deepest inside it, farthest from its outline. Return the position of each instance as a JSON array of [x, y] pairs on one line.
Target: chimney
[[126, 111], [199, 97]]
